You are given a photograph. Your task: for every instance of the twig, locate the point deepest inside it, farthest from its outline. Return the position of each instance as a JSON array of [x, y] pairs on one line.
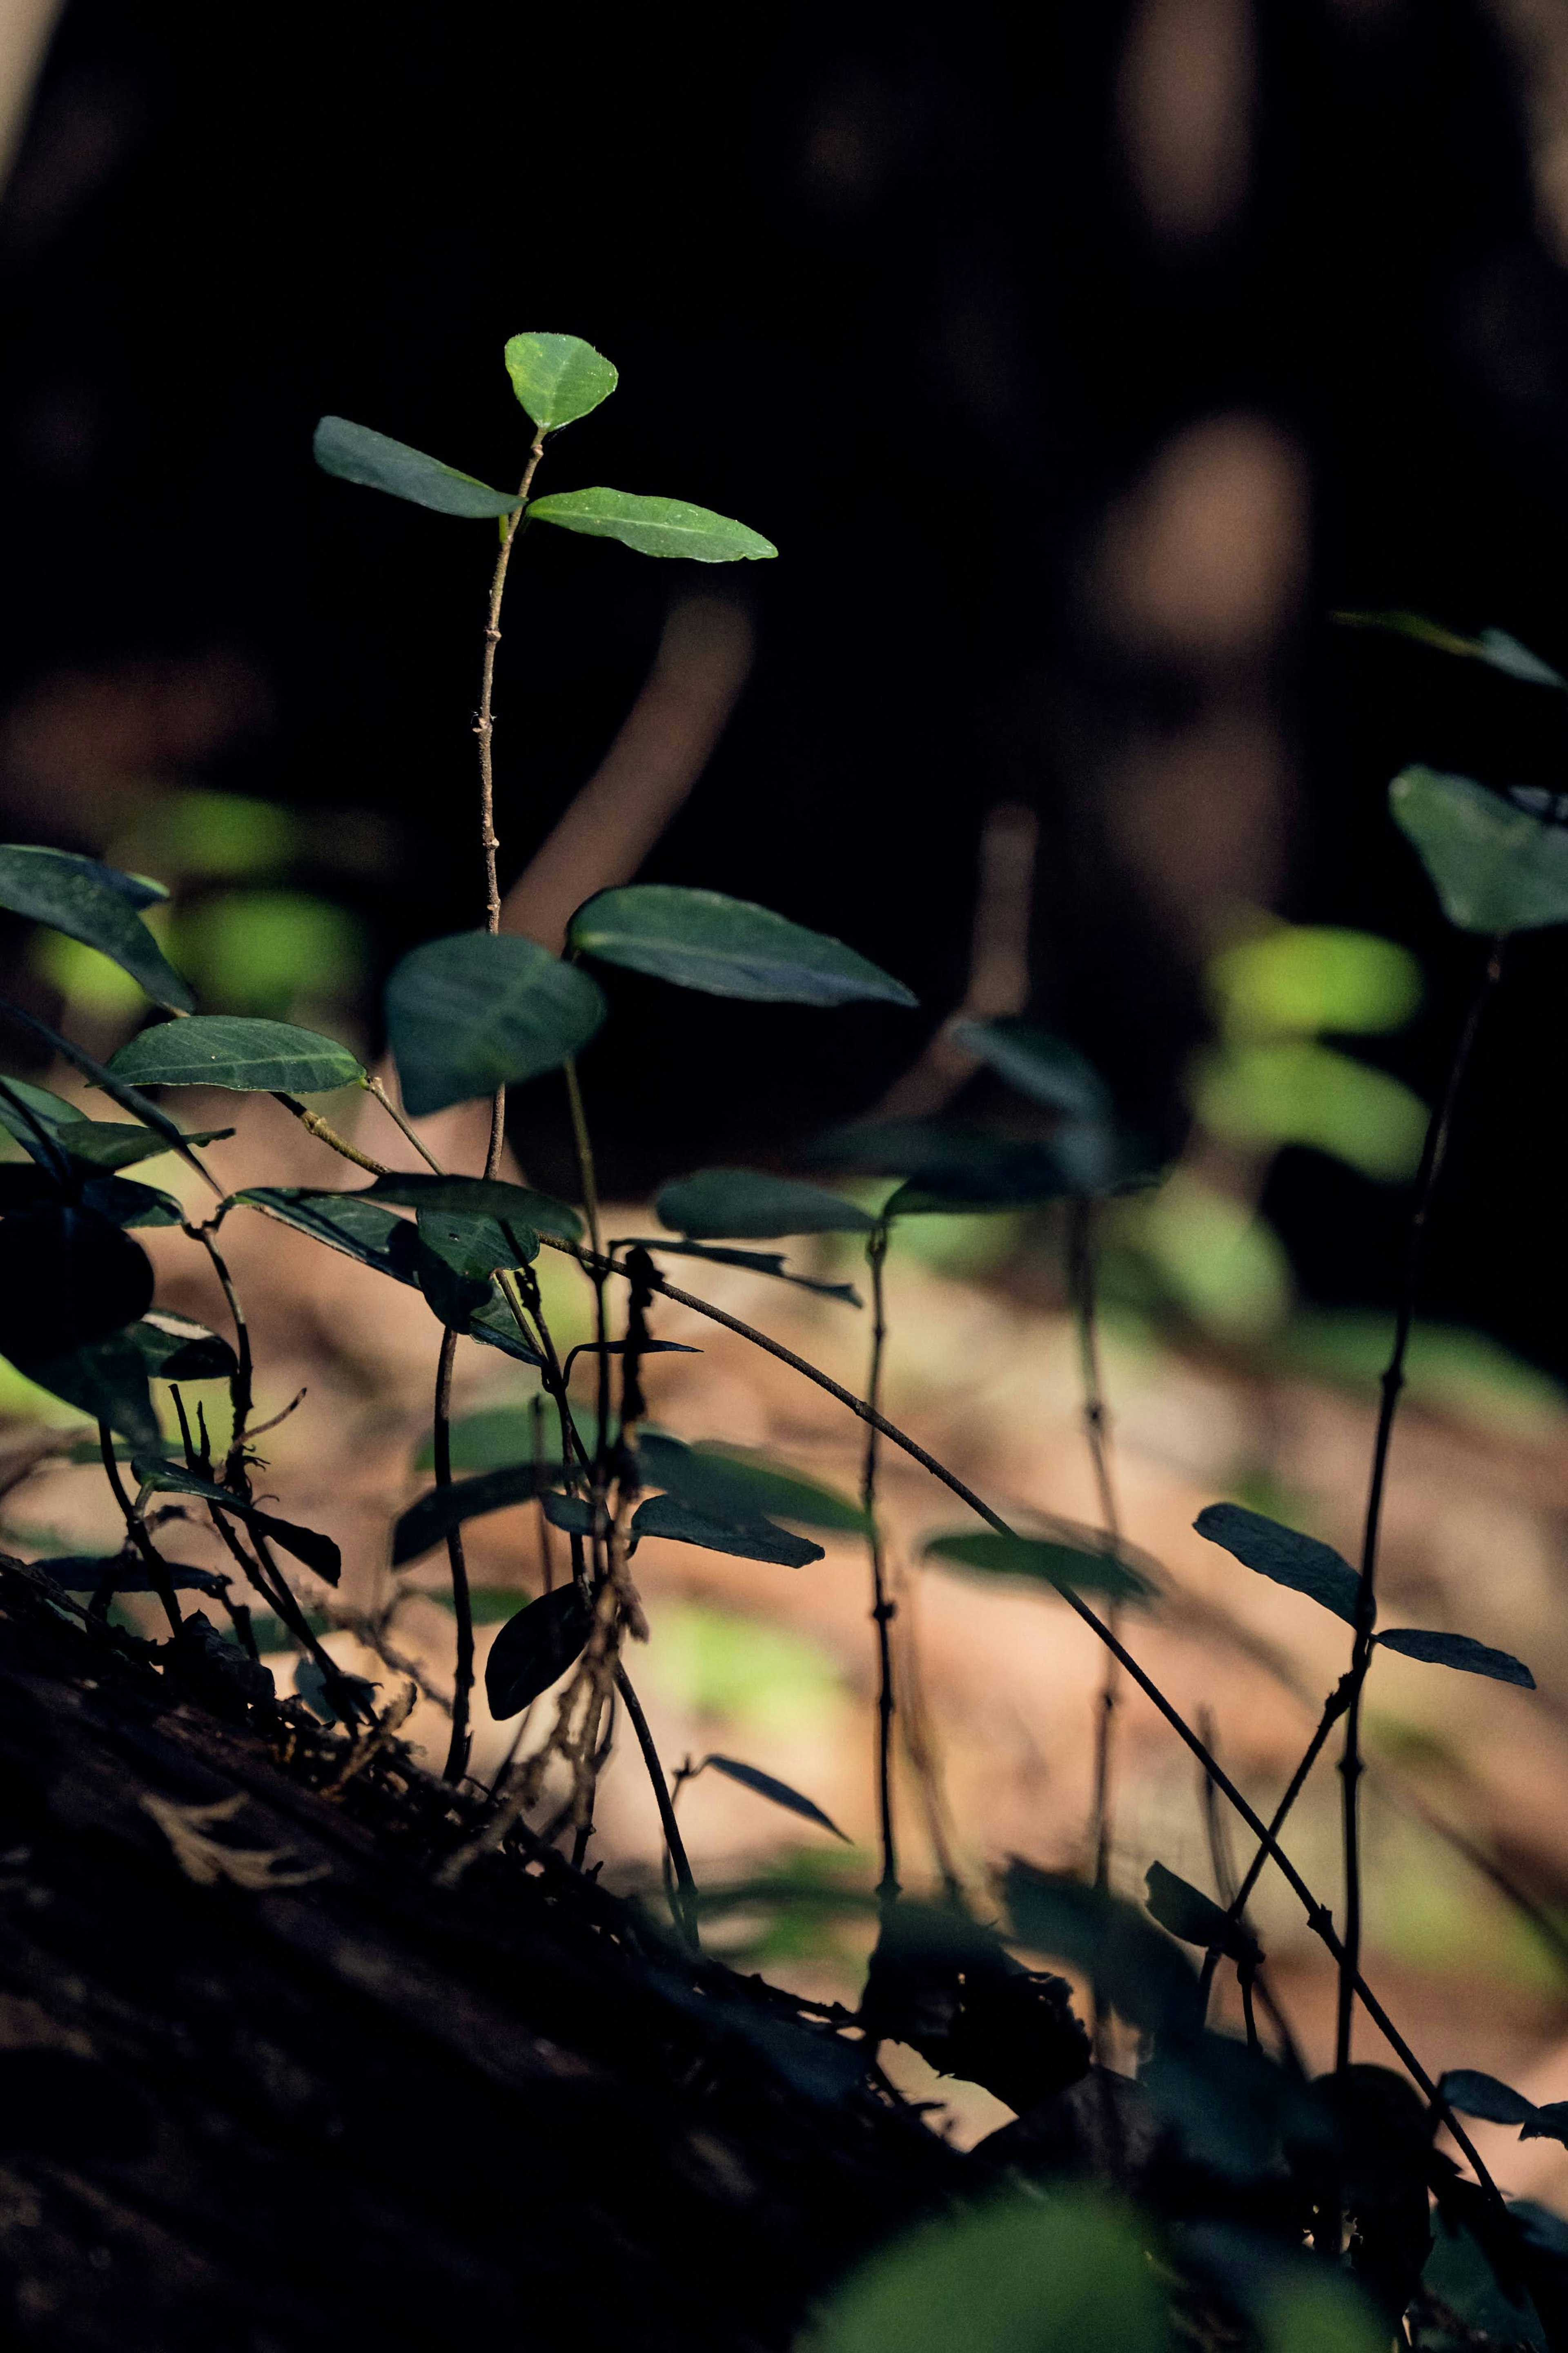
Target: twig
[[1432, 1156], [1084, 1288], [457, 1763], [136, 1530], [883, 1610]]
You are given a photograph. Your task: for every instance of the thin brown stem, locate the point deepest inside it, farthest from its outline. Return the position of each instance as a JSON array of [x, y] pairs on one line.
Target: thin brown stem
[[457, 1763], [1432, 1156], [685, 1909], [374, 1087], [1086, 1304], [883, 1608], [314, 1124], [1334, 1708], [240, 1387], [136, 1530]]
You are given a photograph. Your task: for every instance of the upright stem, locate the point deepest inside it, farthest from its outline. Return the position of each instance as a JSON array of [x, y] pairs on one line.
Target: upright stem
[[1432, 1158], [882, 1607], [457, 1763], [240, 1388], [685, 1908], [1084, 1290], [136, 1529]]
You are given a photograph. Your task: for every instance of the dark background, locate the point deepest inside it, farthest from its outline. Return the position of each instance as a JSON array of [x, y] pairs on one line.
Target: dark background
[[884, 289]]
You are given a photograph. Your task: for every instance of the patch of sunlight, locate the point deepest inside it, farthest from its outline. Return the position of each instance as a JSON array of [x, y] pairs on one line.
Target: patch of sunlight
[[90, 983], [23, 1400], [1293, 980], [741, 1671], [250, 951], [211, 834], [962, 1245]]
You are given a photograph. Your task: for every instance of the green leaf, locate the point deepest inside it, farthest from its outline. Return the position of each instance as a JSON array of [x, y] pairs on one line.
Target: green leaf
[[438, 1512], [229, 1050], [455, 1259], [1187, 1913], [741, 1204], [108, 1380], [558, 379], [68, 1277], [1494, 647], [96, 905], [480, 1010], [747, 1539], [1046, 1069], [571, 1514], [349, 1222], [1457, 1651], [1474, 2095], [726, 947], [768, 1262], [534, 1649], [1495, 868], [1296, 1091], [1062, 2270], [481, 1196], [355, 454], [1296, 979], [728, 1483], [779, 1792], [490, 1440], [495, 1326], [317, 1552], [129, 1098], [652, 526], [947, 1167], [1078, 1560], [1145, 1976], [1283, 1554], [109, 1143], [173, 1349]]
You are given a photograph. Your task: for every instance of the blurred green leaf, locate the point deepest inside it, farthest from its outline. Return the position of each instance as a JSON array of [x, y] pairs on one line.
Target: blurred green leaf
[[355, 454], [1233, 2110], [742, 1204], [1493, 647], [1447, 1370], [227, 1050], [726, 947], [1301, 1094], [1187, 1913], [734, 1482], [652, 526], [534, 1649], [480, 1010], [744, 1539], [96, 905], [778, 1792], [1284, 1554], [1459, 2274], [1458, 1651], [1296, 980], [1080, 1560], [438, 1512], [1139, 1970], [1495, 868], [947, 1167], [1063, 2271], [558, 379], [264, 952], [749, 1673], [491, 1439], [1044, 1068], [1222, 1264]]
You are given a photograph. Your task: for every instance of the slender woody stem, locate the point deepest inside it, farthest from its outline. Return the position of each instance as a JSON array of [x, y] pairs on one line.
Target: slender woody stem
[[1432, 1158], [883, 1608], [136, 1529], [457, 1763], [686, 1909], [1084, 1289]]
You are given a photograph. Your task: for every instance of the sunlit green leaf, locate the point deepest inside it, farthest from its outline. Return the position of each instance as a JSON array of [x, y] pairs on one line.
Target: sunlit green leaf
[[736, 1483], [1296, 980], [230, 1050], [480, 1010], [779, 1792], [1080, 1560], [1304, 1093], [534, 1649], [742, 1204], [1457, 1651], [355, 454], [652, 526], [480, 1197], [1495, 868], [1286, 1555], [96, 905], [558, 379], [748, 1539], [726, 947]]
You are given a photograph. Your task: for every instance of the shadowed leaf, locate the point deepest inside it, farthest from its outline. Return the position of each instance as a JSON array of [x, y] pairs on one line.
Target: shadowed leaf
[[317, 1552], [1495, 868], [1046, 1069], [108, 1380], [105, 1143], [1474, 2095], [732, 1483], [1457, 1651], [83, 1572], [741, 1204], [1195, 1917], [1290, 1558], [768, 1262], [178, 1351], [534, 1649], [947, 1168], [750, 1539], [779, 1792], [360, 1228], [354, 454], [96, 905], [230, 1050], [480, 1197], [68, 1277], [652, 526], [1149, 1980], [558, 379], [437, 1514], [1091, 1564], [726, 947], [479, 1010]]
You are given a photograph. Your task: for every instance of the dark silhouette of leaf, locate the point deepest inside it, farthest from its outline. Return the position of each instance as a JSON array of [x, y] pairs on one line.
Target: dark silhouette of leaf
[[96, 905], [780, 1792], [1046, 1069], [534, 1649], [758, 1539], [480, 1010], [249, 1056], [726, 947], [84, 1573], [68, 1277], [1283, 1554], [947, 1167], [1474, 2095], [1457, 1651], [434, 1516], [1090, 1563], [317, 1552], [354, 454], [1139, 1970], [182, 1352], [1195, 1917], [741, 1204], [315, 1687], [768, 1262], [107, 1380]]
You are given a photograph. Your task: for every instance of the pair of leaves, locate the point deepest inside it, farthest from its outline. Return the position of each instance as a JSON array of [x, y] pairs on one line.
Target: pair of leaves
[[742, 1204], [1071, 1560], [766, 1785], [534, 1649], [96, 905], [1495, 867], [317, 1552], [245, 1055], [1324, 1576], [108, 1145]]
